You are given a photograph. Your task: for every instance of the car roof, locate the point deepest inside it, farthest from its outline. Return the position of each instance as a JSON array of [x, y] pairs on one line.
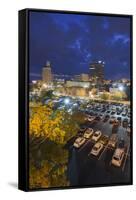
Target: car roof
[[98, 144], [105, 136], [79, 138], [118, 152], [97, 132]]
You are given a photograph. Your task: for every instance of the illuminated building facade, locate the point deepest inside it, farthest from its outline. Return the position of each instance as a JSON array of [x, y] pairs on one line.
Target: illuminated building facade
[[81, 77], [97, 71], [47, 74]]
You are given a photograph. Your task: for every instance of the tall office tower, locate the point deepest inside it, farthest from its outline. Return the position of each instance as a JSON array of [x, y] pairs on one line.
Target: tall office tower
[[47, 76], [97, 71]]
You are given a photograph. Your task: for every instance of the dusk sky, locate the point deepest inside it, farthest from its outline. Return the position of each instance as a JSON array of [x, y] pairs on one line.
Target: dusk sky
[[70, 42]]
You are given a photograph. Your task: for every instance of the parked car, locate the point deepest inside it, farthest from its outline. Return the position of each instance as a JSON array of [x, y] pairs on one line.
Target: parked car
[[115, 126], [119, 119], [88, 133], [112, 141], [125, 123], [101, 116], [96, 149], [113, 112], [96, 136], [112, 120], [97, 118], [79, 142], [116, 122], [104, 139], [106, 118], [118, 157], [119, 112], [90, 118], [108, 111], [103, 110], [121, 144], [124, 113]]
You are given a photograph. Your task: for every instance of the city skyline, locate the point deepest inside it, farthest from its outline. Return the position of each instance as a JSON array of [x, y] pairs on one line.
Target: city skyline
[[36, 76], [71, 42], [80, 124]]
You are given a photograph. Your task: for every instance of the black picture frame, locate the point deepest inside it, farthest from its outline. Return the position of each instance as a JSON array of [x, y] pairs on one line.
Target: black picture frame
[[23, 138]]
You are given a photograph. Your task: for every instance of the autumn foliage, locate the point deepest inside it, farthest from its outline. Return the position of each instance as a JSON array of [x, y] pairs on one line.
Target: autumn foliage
[[49, 131]]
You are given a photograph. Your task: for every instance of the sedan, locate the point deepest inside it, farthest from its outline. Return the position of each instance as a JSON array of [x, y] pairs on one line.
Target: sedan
[[113, 141], [104, 139], [79, 142], [125, 123], [96, 149], [106, 118], [112, 120], [96, 136], [113, 112], [124, 113], [88, 133], [90, 118], [118, 156]]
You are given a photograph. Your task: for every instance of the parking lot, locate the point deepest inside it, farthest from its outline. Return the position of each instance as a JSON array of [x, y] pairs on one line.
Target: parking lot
[[100, 169], [110, 163]]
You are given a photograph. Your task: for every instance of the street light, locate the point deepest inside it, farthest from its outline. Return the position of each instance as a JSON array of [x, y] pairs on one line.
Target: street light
[[34, 81], [44, 85], [66, 101], [121, 88]]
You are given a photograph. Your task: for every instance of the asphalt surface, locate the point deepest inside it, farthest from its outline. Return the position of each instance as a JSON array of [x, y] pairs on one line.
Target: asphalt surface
[[86, 169]]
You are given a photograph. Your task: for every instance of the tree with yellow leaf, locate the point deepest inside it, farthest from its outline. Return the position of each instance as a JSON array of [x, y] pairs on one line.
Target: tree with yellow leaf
[[49, 131], [119, 95]]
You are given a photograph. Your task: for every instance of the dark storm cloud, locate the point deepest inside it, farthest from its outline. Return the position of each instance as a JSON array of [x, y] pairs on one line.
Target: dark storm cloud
[[71, 42]]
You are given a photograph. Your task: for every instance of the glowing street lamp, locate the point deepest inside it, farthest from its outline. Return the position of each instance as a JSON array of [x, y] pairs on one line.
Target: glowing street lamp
[[45, 85], [66, 101], [34, 81], [121, 88]]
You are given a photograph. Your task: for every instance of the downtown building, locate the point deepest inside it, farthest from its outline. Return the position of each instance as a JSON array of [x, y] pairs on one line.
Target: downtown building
[[81, 77], [47, 76], [96, 71]]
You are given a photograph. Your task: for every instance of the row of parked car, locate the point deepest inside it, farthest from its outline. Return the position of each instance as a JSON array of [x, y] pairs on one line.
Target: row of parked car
[[102, 141], [115, 121], [110, 108]]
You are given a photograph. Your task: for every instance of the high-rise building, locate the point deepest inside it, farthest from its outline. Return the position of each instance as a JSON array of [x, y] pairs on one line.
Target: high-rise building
[[97, 71], [46, 73]]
